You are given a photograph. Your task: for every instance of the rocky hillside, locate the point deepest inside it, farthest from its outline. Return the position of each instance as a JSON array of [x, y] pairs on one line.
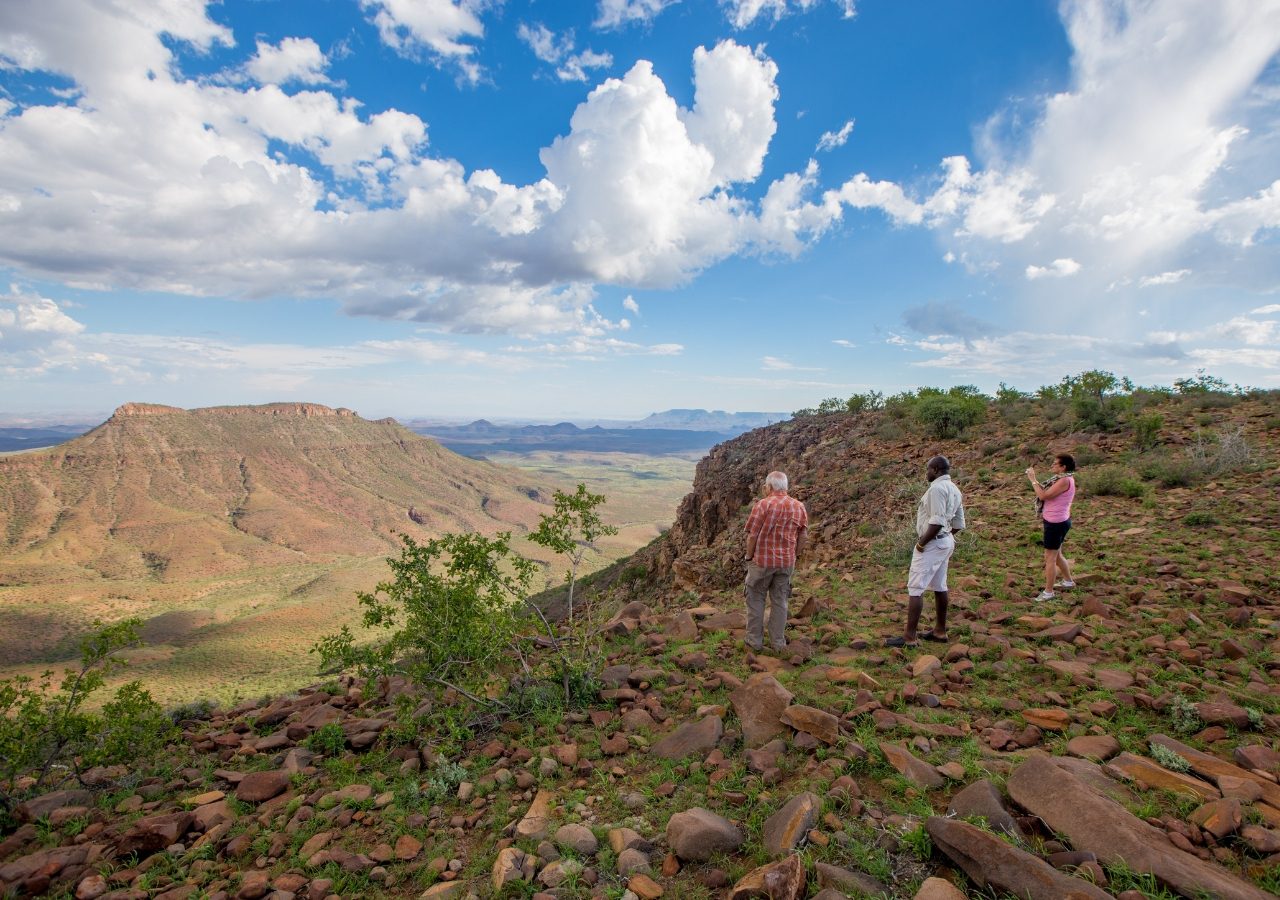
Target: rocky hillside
[[1121, 741]]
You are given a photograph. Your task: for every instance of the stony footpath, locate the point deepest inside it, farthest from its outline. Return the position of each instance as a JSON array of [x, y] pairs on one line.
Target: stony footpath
[[1122, 741]]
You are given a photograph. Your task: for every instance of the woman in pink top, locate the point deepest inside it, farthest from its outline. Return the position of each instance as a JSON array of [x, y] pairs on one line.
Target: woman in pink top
[[1054, 497]]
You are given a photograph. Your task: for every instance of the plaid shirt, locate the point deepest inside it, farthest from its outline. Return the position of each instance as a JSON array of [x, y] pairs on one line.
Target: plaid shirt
[[774, 522]]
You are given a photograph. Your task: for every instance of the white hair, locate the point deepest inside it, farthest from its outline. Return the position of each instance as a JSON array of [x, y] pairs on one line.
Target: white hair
[[777, 481]]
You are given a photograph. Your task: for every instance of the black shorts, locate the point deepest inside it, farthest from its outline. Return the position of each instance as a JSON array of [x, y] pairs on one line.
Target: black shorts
[[1055, 533]]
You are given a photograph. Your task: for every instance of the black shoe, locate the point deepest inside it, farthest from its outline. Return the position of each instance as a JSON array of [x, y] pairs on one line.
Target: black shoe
[[900, 642]]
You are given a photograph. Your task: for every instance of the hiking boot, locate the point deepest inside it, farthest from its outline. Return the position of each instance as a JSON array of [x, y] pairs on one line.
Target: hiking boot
[[1046, 595]]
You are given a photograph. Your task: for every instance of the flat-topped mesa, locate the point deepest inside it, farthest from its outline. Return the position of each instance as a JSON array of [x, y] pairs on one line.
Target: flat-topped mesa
[[132, 410], [305, 410]]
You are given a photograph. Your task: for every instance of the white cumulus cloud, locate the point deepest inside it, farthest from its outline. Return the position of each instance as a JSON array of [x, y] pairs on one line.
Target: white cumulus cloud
[[443, 28], [1059, 268], [175, 183], [293, 59]]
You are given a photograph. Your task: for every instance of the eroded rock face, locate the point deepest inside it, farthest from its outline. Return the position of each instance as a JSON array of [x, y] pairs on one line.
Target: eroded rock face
[[990, 861], [695, 834], [1097, 823]]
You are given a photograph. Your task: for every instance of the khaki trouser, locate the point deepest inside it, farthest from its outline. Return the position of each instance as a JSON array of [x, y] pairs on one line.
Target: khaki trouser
[[774, 583]]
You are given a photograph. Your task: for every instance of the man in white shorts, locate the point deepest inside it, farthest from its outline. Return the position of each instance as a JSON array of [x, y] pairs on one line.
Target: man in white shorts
[[939, 518]]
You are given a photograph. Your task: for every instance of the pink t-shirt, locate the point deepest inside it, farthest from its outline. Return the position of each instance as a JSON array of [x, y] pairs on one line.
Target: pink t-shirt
[[1058, 509]]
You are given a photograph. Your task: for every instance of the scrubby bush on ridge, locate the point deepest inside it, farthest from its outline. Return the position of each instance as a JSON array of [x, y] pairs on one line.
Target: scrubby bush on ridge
[[47, 737]]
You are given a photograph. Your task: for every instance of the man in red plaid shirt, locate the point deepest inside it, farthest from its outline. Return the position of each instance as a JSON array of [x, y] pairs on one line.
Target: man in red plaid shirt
[[775, 536]]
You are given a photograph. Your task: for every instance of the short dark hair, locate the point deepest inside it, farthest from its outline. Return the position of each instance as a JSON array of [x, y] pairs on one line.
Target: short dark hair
[[941, 464], [1068, 461]]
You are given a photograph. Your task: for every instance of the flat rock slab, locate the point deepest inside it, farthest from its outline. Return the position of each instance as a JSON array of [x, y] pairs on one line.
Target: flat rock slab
[[1102, 826], [724, 621], [537, 821], [1152, 774], [1212, 767], [784, 830], [822, 725], [690, 738], [847, 882], [1059, 633], [259, 786], [1093, 746], [988, 860], [759, 704], [1048, 719], [917, 771], [40, 807]]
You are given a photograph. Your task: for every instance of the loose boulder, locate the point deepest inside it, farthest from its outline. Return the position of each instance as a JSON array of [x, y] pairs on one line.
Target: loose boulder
[[696, 834]]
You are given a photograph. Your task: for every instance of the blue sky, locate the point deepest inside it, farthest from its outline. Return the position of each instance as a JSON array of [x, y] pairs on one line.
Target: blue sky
[[603, 209]]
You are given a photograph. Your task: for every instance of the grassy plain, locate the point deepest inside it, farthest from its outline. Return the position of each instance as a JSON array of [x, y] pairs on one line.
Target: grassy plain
[[246, 634]]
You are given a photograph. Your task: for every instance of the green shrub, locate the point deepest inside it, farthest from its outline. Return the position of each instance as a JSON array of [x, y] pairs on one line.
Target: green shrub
[[947, 415], [1087, 455], [46, 734], [1171, 471], [1114, 481], [871, 400], [1199, 517], [449, 611], [1146, 430], [890, 431], [831, 405], [328, 739]]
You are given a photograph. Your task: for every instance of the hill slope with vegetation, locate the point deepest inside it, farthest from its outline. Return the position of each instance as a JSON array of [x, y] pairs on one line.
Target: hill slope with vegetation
[[230, 529], [1122, 741]]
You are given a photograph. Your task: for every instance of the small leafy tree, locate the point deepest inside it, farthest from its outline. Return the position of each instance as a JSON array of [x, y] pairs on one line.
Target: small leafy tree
[[947, 414], [449, 610], [1097, 397], [871, 400], [831, 405], [1201, 383], [572, 529], [47, 736], [1006, 395]]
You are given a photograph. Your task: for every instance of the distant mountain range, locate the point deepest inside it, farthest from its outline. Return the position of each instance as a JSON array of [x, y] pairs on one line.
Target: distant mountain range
[[711, 420], [670, 431]]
